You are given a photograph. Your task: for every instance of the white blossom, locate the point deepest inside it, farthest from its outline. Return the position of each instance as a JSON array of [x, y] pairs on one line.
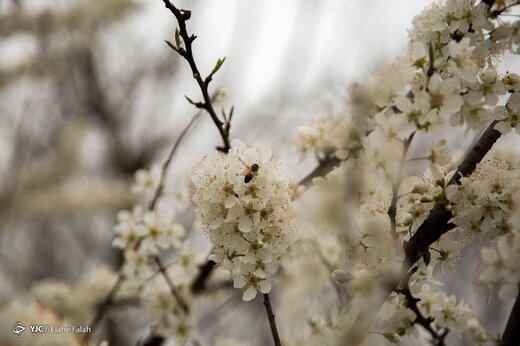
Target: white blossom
[[147, 180]]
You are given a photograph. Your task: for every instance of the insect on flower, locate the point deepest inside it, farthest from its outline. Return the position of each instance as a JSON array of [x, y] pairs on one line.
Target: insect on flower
[[251, 172]]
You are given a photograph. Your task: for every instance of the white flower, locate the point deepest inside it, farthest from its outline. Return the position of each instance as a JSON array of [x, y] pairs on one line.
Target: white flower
[[502, 264], [416, 110], [161, 232], [461, 62], [444, 94], [129, 229], [512, 115], [147, 180], [512, 81]]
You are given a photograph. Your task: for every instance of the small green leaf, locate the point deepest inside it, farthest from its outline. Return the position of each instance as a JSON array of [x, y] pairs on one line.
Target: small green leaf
[[177, 37], [171, 45], [215, 69]]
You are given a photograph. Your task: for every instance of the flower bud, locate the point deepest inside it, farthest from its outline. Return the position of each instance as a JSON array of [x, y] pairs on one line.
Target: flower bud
[[341, 276], [488, 76]]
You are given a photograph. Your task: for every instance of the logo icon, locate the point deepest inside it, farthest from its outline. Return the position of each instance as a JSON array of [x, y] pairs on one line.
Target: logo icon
[[18, 329]]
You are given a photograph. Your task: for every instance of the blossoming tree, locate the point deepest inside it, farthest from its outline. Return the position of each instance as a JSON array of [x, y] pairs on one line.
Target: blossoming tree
[[354, 252]]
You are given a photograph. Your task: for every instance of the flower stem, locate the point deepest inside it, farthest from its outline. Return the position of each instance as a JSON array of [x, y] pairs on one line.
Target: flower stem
[[272, 322]]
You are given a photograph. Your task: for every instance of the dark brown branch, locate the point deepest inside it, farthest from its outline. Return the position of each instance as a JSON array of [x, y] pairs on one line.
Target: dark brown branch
[[182, 17], [272, 321], [152, 339], [199, 284], [511, 336]]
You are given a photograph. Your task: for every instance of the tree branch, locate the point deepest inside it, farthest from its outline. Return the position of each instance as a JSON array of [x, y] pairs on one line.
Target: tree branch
[[199, 284], [511, 336], [182, 17], [272, 322]]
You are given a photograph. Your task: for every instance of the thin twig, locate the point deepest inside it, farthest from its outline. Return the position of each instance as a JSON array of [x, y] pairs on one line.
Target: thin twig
[[173, 289], [272, 322], [182, 17], [166, 164]]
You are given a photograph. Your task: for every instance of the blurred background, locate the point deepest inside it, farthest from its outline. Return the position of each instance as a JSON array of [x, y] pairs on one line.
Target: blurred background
[[89, 93]]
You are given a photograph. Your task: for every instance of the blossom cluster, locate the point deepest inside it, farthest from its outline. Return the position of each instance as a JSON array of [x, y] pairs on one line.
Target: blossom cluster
[[446, 313], [244, 202], [501, 260], [144, 234], [457, 317], [483, 201], [501, 265]]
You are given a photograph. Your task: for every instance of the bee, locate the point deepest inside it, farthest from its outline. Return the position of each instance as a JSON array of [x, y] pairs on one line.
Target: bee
[[251, 172]]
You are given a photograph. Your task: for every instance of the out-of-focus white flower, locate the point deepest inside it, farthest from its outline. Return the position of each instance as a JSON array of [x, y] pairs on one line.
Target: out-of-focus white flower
[[29, 312], [129, 228], [147, 180], [502, 261], [147, 232], [161, 231], [169, 318], [79, 302]]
